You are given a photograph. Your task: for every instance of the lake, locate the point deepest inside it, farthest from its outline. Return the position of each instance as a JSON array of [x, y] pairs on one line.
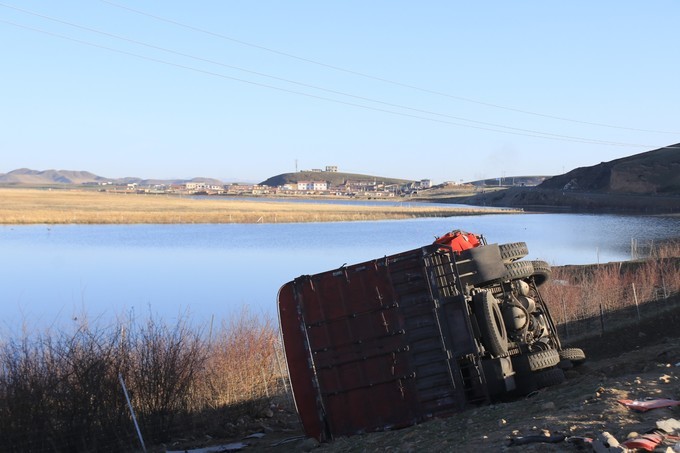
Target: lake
[[52, 274]]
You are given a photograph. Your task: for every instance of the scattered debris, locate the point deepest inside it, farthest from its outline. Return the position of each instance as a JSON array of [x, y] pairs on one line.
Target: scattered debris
[[646, 442], [646, 405], [550, 439], [669, 426], [606, 443]]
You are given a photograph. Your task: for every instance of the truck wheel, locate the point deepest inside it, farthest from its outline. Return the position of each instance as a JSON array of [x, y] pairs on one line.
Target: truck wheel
[[542, 272], [543, 359], [575, 355], [513, 251], [546, 378], [518, 269], [490, 321]]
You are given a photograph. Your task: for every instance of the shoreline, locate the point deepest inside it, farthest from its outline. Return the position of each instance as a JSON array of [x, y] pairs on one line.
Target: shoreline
[[51, 207]]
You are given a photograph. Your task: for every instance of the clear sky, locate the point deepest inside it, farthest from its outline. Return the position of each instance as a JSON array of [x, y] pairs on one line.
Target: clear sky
[[242, 90]]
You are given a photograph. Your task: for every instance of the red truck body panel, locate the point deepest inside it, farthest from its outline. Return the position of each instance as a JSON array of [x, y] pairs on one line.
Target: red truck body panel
[[380, 345]]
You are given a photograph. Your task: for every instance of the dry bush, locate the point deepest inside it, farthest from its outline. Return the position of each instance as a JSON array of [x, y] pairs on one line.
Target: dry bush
[[581, 292], [243, 365], [165, 365], [61, 391]]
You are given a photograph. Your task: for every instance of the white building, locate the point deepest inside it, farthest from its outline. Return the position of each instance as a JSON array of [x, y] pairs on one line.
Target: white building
[[312, 185]]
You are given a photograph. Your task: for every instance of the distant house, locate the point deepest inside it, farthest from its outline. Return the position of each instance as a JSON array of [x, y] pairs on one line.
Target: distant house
[[332, 168], [312, 185], [195, 186]]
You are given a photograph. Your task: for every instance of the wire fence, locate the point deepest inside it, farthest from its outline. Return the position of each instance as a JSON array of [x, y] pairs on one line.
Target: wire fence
[[590, 300]]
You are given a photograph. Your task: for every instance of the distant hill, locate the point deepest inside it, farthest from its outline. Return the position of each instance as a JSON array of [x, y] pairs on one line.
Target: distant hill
[[650, 173], [25, 176], [511, 181], [334, 178], [645, 182]]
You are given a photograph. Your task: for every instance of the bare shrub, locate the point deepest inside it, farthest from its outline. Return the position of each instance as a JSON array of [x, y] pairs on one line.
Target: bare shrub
[[61, 391], [165, 363], [242, 366], [581, 292]]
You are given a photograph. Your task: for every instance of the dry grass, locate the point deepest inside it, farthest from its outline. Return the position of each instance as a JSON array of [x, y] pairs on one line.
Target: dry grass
[[32, 206]]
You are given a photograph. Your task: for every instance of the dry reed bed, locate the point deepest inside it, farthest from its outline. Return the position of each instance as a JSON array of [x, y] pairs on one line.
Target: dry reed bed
[[27, 206]]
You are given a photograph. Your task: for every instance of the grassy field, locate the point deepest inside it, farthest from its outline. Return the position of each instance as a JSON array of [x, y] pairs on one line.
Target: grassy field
[[33, 206]]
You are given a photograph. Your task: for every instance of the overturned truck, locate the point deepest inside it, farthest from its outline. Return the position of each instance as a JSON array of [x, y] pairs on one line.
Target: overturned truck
[[424, 333]]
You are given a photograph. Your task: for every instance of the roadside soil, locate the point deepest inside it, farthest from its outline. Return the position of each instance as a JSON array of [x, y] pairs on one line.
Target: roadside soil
[[637, 362]]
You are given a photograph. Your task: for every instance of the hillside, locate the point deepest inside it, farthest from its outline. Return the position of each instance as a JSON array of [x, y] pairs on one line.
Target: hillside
[[645, 182], [334, 178], [28, 177], [650, 173]]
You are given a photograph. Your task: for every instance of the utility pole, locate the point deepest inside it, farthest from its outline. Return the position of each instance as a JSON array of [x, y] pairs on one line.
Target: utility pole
[[296, 166]]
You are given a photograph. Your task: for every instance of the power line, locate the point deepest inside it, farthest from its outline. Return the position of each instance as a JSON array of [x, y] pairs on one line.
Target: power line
[[380, 79], [177, 65], [480, 124], [363, 98]]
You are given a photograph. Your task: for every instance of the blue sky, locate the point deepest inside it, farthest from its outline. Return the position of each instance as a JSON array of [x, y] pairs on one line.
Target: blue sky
[[244, 90]]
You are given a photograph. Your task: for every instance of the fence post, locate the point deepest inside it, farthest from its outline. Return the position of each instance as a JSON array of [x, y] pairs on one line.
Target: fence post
[[132, 412], [601, 320], [637, 307], [566, 320]]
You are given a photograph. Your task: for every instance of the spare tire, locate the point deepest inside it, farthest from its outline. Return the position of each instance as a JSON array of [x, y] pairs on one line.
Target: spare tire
[[490, 321], [513, 251], [543, 359], [542, 272], [575, 355], [546, 378], [518, 269]]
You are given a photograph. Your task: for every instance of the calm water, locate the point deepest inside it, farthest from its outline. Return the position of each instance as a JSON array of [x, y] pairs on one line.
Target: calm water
[[51, 274]]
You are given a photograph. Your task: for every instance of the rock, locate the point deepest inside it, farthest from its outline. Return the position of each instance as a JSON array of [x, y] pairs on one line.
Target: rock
[[669, 425], [502, 422], [548, 406], [309, 444], [666, 379]]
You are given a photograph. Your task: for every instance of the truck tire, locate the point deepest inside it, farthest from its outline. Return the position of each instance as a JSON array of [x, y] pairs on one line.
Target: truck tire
[[518, 269], [490, 321], [547, 378], [513, 251], [574, 355], [542, 272], [543, 359]]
